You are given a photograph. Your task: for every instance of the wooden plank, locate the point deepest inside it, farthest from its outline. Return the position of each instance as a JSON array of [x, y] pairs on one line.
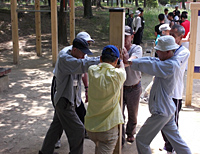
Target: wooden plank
[[192, 48], [54, 31], [15, 37], [116, 38], [72, 21], [38, 28], [196, 75], [195, 6]]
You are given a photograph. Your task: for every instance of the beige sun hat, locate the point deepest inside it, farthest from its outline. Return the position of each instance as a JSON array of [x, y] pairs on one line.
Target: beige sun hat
[[164, 27], [166, 43]]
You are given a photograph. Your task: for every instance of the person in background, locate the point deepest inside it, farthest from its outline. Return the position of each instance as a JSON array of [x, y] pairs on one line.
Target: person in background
[[182, 54], [176, 12], [166, 16], [171, 19], [185, 23], [104, 113], [161, 18], [165, 29], [69, 68], [184, 12], [137, 27], [132, 88], [130, 19], [165, 69], [142, 21]]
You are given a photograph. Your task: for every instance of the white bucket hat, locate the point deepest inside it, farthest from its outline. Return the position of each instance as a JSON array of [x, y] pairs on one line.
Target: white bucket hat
[[166, 43], [130, 12], [164, 27], [85, 36], [137, 12]]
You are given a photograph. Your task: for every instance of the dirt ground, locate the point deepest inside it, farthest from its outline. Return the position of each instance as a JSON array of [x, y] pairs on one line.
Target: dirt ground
[[26, 110]]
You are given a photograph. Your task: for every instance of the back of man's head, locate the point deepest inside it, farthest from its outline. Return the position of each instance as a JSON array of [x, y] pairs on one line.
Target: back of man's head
[[171, 14], [184, 15], [109, 54], [179, 29], [161, 17]]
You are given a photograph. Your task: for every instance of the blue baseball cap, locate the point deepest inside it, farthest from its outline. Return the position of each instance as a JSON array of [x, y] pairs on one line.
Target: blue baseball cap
[[113, 51], [82, 45]]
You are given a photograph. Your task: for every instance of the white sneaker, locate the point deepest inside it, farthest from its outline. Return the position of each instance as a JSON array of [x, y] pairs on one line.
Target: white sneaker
[[58, 144]]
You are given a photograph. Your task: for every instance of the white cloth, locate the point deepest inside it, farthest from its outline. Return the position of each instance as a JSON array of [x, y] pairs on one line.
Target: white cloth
[[182, 54]]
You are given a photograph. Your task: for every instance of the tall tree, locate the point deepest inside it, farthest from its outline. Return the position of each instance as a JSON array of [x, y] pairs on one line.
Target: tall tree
[[145, 4], [88, 9], [183, 4], [62, 24], [136, 3]]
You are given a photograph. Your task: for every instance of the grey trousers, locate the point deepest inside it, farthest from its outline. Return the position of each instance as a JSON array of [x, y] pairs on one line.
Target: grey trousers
[[65, 118], [131, 99], [150, 129]]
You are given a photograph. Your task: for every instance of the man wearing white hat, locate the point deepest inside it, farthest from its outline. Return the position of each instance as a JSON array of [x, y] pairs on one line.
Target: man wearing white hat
[[161, 106], [165, 29], [137, 27]]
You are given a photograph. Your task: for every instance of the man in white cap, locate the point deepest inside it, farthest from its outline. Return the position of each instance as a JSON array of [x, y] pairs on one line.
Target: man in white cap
[[161, 106], [137, 27], [165, 29]]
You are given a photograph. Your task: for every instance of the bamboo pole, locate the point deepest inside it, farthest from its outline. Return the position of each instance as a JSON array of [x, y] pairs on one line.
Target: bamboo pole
[[38, 28], [54, 31], [15, 37], [72, 21], [116, 37]]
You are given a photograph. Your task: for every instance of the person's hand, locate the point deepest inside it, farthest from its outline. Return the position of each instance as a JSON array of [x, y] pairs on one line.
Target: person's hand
[[125, 55]]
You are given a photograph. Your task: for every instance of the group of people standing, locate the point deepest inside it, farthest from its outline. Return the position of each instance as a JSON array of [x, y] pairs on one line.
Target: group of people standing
[[114, 69], [136, 22]]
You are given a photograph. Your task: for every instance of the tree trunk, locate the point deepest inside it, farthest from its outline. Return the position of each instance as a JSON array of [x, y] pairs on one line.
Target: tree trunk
[[111, 2], [183, 4], [98, 3], [88, 9], [107, 2], [117, 2], [122, 3], [62, 25], [145, 4], [136, 3]]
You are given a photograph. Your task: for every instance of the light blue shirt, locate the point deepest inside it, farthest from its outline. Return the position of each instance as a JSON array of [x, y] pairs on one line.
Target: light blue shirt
[[165, 72]]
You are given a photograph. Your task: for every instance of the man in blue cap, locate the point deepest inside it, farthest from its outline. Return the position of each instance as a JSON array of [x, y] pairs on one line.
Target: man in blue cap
[[103, 114], [69, 68]]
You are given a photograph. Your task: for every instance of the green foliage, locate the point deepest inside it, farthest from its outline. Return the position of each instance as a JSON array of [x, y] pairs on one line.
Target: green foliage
[[163, 2], [152, 3]]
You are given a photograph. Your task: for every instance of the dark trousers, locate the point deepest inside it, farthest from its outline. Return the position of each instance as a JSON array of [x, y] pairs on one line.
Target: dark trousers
[[178, 103], [138, 36], [131, 98], [65, 118]]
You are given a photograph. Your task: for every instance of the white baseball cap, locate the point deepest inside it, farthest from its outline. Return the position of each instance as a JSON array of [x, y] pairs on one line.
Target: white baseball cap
[[166, 43], [164, 27], [85, 36], [137, 12]]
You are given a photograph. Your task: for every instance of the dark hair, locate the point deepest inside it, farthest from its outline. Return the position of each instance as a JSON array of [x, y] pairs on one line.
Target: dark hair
[[166, 9], [140, 9], [180, 29], [184, 12], [161, 16], [108, 57], [171, 14], [184, 15]]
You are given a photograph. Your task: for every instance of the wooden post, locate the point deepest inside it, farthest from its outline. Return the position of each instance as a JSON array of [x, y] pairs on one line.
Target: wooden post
[[194, 34], [116, 37], [38, 28], [72, 21], [15, 37], [54, 31]]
